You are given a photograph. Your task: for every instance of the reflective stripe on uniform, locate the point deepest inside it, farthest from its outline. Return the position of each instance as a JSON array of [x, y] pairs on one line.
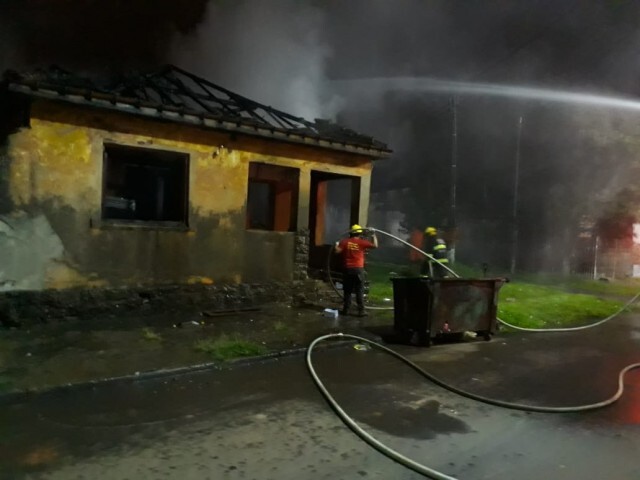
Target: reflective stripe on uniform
[[441, 260]]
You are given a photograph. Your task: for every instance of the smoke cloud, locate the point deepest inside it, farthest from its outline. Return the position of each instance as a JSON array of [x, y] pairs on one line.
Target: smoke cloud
[[273, 52], [294, 54]]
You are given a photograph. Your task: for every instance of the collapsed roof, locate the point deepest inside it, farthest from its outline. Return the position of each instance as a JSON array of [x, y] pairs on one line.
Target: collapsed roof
[[173, 94]]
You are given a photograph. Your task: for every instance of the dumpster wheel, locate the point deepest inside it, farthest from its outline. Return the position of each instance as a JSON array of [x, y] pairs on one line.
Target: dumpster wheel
[[407, 462]]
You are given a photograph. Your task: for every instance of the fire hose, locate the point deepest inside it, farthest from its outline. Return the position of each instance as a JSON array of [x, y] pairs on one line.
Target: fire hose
[[503, 322], [402, 459], [398, 239]]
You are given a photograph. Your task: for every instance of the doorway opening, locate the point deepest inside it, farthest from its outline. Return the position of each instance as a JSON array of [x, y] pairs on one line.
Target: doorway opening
[[334, 207]]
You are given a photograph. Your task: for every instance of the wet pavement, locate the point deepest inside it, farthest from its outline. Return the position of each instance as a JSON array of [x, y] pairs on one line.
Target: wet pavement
[[268, 421], [90, 349]]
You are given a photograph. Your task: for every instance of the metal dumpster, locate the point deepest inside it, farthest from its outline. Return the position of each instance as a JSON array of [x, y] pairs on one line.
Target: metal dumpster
[[426, 308]]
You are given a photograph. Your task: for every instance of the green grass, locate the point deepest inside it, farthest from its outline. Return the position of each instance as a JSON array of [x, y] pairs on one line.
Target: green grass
[[378, 294], [227, 348], [5, 384], [281, 327], [379, 274], [468, 271], [149, 334], [623, 288], [537, 306], [542, 302], [380, 286]]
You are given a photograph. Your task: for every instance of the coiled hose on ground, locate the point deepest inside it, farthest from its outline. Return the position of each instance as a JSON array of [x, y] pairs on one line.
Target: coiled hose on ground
[[409, 463]]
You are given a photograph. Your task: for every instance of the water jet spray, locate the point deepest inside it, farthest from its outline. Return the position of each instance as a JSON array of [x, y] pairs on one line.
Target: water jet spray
[[437, 86]]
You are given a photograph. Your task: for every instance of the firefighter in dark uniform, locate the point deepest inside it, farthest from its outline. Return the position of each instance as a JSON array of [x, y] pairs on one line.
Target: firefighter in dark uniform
[[436, 247]]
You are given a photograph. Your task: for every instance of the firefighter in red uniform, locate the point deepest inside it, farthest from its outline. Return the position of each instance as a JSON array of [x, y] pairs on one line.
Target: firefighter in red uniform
[[352, 250]]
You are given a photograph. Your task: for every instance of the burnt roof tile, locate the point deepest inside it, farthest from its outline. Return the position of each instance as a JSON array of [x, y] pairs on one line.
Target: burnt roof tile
[[173, 89]]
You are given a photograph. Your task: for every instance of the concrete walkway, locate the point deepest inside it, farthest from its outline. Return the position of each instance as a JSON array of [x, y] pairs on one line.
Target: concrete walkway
[[89, 350]]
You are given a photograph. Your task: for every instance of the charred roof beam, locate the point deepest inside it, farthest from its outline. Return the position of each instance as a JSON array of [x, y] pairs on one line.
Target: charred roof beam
[[176, 95]]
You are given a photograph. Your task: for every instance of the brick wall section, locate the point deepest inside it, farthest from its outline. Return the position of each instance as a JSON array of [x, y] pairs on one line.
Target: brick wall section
[[301, 255], [24, 308]]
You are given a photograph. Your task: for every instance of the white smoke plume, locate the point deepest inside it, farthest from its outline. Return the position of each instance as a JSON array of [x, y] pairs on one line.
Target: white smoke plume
[[271, 52]]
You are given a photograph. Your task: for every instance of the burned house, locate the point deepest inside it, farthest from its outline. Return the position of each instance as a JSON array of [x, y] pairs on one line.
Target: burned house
[[164, 179]]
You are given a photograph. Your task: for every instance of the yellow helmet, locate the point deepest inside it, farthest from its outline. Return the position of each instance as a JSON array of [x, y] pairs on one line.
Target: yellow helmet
[[430, 231], [356, 229]]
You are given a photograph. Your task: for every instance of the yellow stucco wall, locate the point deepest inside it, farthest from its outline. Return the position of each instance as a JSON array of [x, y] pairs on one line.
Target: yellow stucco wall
[[55, 167]]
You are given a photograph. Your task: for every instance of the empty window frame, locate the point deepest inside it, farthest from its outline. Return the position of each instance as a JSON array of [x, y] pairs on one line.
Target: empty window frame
[[272, 197], [142, 185]]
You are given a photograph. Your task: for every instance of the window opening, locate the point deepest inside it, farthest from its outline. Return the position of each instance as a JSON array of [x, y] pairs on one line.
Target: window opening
[[272, 197], [260, 213], [145, 185]]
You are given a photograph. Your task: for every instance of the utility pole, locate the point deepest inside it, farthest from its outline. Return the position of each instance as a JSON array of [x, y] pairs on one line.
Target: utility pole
[[454, 174], [514, 213]]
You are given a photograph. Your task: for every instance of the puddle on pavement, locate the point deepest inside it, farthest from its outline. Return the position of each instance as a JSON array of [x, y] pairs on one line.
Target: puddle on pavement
[[426, 420]]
